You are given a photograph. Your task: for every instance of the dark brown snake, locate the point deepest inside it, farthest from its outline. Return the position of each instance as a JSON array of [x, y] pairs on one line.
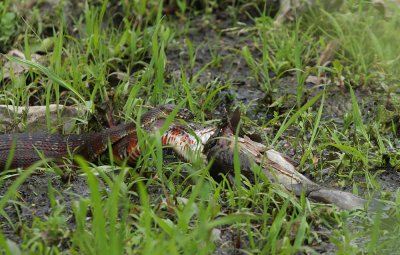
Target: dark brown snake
[[25, 148], [214, 144]]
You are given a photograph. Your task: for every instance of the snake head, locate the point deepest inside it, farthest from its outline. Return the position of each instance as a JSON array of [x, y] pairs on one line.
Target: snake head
[[183, 113], [225, 129]]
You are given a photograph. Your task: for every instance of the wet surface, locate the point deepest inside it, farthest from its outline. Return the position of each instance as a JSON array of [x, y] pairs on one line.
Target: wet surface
[[32, 199], [231, 69]]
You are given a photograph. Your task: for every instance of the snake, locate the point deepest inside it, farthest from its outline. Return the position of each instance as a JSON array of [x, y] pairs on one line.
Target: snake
[[23, 149], [211, 144]]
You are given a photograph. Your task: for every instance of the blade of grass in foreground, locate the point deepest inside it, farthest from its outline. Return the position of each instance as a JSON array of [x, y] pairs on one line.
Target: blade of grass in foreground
[[146, 216], [13, 188], [116, 235], [11, 191], [187, 213], [107, 227], [301, 234], [276, 226]]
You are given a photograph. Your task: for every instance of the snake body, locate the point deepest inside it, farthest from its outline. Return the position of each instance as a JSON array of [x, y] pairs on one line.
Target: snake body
[[178, 137], [212, 144], [25, 149]]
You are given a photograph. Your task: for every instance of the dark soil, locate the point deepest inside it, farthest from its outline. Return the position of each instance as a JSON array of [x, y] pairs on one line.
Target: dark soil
[[32, 200]]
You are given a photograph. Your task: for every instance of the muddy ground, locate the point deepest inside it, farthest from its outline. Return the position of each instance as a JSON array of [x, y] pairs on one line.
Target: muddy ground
[[32, 200]]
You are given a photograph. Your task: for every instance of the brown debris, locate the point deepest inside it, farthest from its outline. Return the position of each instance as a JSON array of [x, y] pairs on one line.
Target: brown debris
[[35, 117]]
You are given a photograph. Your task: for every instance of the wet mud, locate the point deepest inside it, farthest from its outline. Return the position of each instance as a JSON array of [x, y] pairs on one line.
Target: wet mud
[[33, 200]]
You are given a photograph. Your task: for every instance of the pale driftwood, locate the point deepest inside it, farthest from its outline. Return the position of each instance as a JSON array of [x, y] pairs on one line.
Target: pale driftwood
[[292, 180], [278, 169], [298, 183], [35, 117]]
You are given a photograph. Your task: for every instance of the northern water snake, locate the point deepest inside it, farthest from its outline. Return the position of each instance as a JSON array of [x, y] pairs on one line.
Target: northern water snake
[[27, 148], [211, 143]]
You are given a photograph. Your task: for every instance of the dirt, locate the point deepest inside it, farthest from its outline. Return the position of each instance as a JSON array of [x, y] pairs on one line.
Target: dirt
[[33, 198]]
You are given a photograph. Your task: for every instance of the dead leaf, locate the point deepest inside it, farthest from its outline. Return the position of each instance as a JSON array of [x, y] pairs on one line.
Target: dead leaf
[[328, 53], [315, 160], [322, 79]]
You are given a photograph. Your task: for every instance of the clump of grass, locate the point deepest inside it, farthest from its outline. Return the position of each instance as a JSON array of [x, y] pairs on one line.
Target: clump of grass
[[366, 40]]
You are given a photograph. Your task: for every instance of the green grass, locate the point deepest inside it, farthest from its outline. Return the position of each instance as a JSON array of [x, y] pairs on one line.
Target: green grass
[[189, 58]]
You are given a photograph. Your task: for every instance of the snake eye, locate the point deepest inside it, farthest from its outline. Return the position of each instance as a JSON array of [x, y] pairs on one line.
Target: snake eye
[[185, 113]]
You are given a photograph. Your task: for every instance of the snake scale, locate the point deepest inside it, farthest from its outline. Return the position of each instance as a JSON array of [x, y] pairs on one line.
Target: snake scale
[[27, 148]]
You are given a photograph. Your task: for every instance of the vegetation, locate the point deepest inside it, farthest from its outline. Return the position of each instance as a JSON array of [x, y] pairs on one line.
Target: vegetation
[[335, 113]]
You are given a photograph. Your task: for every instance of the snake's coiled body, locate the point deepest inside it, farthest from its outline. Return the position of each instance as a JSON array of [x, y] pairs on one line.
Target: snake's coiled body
[[25, 149]]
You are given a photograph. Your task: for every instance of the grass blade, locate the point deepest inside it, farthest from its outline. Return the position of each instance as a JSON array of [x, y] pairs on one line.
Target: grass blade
[[52, 76], [295, 117]]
